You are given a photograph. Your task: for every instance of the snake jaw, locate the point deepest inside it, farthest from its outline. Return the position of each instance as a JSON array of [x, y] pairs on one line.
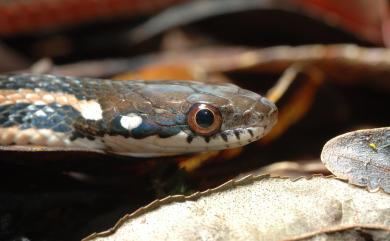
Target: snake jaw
[[179, 144]]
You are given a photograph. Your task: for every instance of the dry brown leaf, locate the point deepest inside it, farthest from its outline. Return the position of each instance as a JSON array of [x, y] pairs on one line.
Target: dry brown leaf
[[362, 157], [346, 233], [259, 208], [291, 169]]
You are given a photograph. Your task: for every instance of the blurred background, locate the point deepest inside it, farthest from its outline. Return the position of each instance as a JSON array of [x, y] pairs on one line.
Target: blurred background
[[333, 52]]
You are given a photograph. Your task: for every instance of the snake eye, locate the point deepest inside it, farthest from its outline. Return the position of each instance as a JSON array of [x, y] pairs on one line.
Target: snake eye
[[204, 119]]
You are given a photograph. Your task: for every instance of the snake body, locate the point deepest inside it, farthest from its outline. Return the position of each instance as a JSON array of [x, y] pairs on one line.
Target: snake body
[[136, 118]]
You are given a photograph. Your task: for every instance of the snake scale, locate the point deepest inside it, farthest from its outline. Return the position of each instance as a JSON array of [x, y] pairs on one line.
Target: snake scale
[[134, 118]]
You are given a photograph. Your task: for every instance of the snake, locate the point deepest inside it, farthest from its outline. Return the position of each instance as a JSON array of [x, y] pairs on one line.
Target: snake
[[42, 112]]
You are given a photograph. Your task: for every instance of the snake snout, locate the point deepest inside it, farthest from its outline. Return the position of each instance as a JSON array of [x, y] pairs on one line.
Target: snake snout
[[265, 114], [271, 113]]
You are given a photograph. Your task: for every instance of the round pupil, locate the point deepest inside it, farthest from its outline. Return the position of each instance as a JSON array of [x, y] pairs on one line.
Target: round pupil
[[204, 118]]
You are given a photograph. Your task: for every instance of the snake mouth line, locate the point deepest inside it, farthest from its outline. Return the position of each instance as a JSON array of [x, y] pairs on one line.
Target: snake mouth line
[[178, 144], [237, 137]]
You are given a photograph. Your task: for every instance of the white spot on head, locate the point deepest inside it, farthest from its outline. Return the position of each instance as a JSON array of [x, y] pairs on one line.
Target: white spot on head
[[91, 110], [130, 121]]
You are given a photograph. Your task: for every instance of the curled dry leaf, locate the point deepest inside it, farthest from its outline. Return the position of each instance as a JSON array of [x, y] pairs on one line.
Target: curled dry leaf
[[292, 169], [360, 17], [344, 64], [346, 233], [259, 208], [362, 157]]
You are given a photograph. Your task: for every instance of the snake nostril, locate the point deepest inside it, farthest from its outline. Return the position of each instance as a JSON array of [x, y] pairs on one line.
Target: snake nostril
[[273, 116], [272, 109]]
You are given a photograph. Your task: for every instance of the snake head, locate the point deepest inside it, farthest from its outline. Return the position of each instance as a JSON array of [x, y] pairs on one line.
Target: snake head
[[171, 117]]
